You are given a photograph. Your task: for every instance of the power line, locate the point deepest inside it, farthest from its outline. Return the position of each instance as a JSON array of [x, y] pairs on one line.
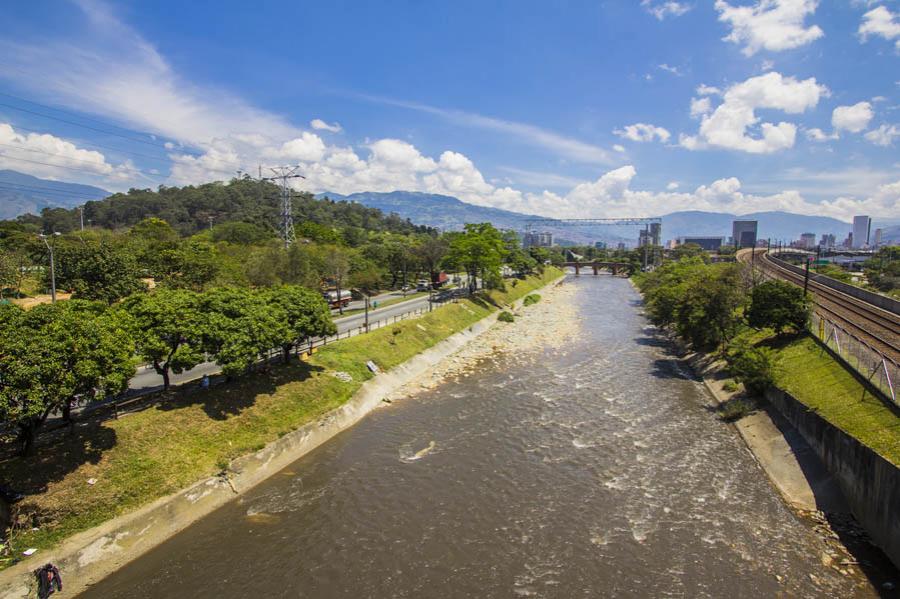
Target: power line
[[85, 142], [39, 189]]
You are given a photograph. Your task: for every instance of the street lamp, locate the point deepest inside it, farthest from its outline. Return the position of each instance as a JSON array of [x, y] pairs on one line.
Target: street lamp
[[52, 265]]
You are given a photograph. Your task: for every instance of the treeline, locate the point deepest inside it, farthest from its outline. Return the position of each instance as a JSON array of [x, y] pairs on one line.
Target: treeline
[[708, 305], [55, 355], [190, 209], [339, 244]]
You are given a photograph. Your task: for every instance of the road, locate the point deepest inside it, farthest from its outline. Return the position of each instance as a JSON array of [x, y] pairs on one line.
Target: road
[[147, 379]]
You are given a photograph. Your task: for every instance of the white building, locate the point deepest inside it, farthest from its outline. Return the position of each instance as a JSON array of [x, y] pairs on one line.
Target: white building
[[862, 227]]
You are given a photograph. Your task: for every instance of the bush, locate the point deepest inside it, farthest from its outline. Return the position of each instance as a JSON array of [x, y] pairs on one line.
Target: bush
[[735, 409], [753, 366], [730, 386], [506, 317], [531, 299]]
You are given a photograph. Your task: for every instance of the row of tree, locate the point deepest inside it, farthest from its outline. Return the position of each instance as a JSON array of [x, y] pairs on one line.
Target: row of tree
[[57, 354]]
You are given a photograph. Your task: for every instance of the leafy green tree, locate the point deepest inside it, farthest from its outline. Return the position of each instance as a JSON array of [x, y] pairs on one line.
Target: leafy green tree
[[755, 367], [241, 233], [479, 250], [336, 265], [9, 273], [307, 315], [688, 250], [193, 265], [168, 329], [57, 353], [778, 305], [95, 271], [241, 327]]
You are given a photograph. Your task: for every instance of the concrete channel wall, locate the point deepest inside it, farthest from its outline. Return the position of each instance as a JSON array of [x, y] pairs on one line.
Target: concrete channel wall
[[870, 483], [87, 557], [876, 299]]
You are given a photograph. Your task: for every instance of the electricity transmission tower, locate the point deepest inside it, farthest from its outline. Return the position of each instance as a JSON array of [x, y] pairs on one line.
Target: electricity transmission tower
[[283, 173]]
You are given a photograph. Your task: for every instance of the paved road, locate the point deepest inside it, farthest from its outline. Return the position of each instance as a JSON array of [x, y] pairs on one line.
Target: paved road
[[147, 379]]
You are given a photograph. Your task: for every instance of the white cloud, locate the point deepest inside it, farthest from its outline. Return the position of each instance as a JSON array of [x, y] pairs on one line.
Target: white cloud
[[670, 69], [853, 118], [700, 107], [619, 148], [320, 125], [308, 147], [772, 25], [642, 132], [708, 90], [729, 124], [668, 8], [884, 135], [48, 156], [818, 135], [549, 141], [672, 186], [881, 22]]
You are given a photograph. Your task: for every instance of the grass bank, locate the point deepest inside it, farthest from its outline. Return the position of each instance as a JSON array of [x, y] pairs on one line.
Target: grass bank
[[107, 468], [823, 384]]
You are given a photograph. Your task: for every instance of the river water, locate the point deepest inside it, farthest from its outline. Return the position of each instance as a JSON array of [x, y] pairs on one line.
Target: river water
[[591, 469]]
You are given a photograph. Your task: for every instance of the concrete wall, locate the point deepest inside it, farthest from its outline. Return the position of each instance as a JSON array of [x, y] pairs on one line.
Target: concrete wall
[[876, 299], [91, 555], [869, 482]]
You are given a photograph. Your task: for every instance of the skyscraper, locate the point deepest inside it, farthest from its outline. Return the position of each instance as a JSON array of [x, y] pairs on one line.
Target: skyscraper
[[862, 227], [744, 233]]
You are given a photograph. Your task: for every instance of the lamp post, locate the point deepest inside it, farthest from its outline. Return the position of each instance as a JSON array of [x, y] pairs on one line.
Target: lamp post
[[52, 265]]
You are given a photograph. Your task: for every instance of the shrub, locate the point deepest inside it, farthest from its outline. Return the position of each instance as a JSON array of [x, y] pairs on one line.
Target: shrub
[[735, 409], [753, 366], [506, 317], [730, 386], [531, 299]]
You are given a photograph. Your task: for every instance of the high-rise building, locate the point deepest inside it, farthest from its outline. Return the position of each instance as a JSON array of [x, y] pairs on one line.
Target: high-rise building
[[744, 233], [808, 240], [710, 244], [862, 227], [827, 241], [876, 241], [535, 239], [599, 245]]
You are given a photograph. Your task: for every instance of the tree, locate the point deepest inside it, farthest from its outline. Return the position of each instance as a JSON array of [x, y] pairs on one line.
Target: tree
[[241, 327], [192, 265], [688, 250], [479, 250], [307, 315], [778, 305], [95, 270], [9, 272], [336, 263], [57, 353], [168, 329], [430, 253]]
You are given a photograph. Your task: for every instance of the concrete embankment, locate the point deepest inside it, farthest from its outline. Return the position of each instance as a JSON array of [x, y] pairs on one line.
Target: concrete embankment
[[89, 556], [870, 483]]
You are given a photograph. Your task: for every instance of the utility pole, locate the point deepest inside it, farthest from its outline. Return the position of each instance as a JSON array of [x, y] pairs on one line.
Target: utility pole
[[52, 266], [81, 216], [806, 277], [283, 173], [367, 313]]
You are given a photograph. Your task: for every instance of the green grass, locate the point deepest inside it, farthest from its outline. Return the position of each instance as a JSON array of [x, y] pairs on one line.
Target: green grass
[[822, 383], [193, 434]]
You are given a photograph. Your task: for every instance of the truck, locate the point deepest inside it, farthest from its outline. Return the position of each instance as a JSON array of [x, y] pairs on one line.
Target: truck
[[332, 298]]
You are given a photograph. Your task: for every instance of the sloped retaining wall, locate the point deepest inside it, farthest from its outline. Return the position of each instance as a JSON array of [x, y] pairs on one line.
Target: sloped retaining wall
[[870, 483], [91, 555]]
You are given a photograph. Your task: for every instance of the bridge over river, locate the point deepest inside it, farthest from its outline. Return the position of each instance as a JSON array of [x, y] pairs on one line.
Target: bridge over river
[[596, 266]]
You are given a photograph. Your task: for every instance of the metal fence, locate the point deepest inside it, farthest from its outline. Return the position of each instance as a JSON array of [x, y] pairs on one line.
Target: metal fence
[[857, 355], [881, 371]]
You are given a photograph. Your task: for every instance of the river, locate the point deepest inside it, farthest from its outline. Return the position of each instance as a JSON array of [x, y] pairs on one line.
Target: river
[[593, 467]]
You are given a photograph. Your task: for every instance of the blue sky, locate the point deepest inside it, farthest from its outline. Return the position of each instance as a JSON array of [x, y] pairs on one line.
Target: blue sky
[[593, 109]]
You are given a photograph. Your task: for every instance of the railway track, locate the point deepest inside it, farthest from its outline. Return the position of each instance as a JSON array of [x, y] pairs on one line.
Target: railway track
[[874, 325]]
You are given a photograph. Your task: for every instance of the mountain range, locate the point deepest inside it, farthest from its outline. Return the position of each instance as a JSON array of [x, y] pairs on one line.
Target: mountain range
[[21, 194], [24, 194], [450, 213]]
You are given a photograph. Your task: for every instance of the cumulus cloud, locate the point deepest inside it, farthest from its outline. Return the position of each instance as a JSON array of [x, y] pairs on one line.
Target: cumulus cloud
[[708, 90], [669, 8], [772, 25], [700, 107], [670, 69], [816, 134], [729, 125], [642, 132], [880, 22], [320, 125], [884, 135], [853, 118], [48, 156], [672, 186]]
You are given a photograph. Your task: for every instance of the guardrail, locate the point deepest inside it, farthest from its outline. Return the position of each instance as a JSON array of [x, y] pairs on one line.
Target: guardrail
[[876, 299]]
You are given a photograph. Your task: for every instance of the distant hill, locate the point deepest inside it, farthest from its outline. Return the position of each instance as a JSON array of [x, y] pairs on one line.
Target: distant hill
[[450, 213], [24, 194]]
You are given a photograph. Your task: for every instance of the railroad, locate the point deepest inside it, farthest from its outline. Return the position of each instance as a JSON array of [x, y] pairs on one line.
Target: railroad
[[878, 327]]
